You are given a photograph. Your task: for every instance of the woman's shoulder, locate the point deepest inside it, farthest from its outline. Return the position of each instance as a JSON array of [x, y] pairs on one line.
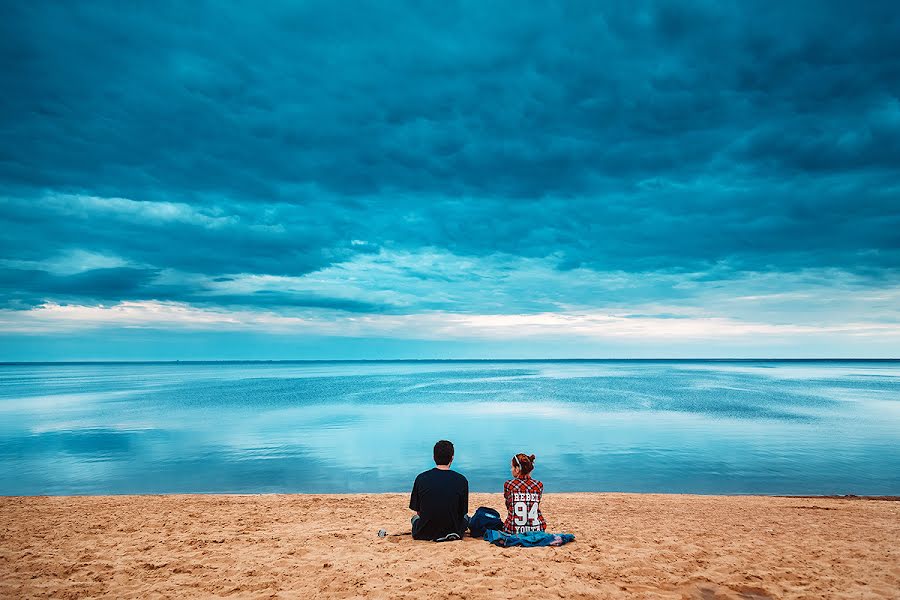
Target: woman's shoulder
[[522, 482], [512, 484]]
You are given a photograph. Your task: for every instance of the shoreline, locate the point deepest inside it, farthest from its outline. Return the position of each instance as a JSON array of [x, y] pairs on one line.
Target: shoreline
[[874, 497], [845, 497], [325, 545]]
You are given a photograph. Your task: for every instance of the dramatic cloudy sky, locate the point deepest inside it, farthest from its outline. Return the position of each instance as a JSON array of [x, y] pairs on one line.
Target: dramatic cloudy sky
[[479, 179]]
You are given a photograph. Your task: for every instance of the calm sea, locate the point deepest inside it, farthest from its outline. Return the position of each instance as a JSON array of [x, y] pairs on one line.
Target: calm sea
[[759, 427]]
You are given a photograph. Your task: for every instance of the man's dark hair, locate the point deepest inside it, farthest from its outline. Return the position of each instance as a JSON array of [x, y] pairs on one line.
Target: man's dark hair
[[443, 452]]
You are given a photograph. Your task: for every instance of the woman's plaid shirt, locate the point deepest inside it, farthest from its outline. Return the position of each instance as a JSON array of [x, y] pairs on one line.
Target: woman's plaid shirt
[[523, 503]]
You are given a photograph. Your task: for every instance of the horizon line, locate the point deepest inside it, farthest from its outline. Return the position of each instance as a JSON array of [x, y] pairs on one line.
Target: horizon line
[[436, 360]]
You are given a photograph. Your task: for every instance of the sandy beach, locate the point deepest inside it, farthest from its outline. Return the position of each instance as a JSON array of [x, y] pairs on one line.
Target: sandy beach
[[325, 546]]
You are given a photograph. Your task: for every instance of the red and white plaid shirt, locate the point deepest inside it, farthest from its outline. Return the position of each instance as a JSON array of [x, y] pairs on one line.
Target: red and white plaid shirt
[[523, 502]]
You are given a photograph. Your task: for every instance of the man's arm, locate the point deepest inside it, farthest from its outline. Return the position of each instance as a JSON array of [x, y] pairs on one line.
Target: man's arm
[[464, 499], [414, 497]]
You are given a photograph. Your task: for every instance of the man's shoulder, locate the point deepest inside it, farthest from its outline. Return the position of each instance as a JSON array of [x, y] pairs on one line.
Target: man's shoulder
[[460, 477], [442, 474], [424, 474]]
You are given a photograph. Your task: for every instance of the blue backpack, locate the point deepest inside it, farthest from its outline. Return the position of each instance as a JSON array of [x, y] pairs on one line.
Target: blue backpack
[[484, 518]]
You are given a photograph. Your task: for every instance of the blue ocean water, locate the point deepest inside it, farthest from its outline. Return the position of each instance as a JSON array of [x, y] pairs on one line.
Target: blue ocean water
[[758, 427]]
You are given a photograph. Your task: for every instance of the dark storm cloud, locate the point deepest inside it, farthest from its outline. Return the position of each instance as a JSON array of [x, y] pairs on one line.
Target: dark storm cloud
[[24, 288], [230, 238], [673, 136]]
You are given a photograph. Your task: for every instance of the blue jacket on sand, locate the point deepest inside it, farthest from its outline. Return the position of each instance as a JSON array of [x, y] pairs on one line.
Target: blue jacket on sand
[[530, 538]]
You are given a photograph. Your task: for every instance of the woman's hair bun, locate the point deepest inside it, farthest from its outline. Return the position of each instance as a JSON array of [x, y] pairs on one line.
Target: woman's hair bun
[[524, 463]]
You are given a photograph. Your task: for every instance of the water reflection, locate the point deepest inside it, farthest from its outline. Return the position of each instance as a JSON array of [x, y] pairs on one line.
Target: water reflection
[[606, 426]]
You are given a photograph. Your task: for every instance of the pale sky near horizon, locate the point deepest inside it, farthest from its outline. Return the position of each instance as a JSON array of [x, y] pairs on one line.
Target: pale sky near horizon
[[462, 180]]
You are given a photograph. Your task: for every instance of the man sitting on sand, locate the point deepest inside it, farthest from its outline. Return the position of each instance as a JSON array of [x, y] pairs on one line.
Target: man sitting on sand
[[440, 498]]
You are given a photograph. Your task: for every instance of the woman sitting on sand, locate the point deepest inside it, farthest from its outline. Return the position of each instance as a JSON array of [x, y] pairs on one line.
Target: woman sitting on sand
[[523, 497]]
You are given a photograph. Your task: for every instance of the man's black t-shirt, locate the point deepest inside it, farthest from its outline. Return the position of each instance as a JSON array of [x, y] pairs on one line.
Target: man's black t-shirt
[[441, 497]]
